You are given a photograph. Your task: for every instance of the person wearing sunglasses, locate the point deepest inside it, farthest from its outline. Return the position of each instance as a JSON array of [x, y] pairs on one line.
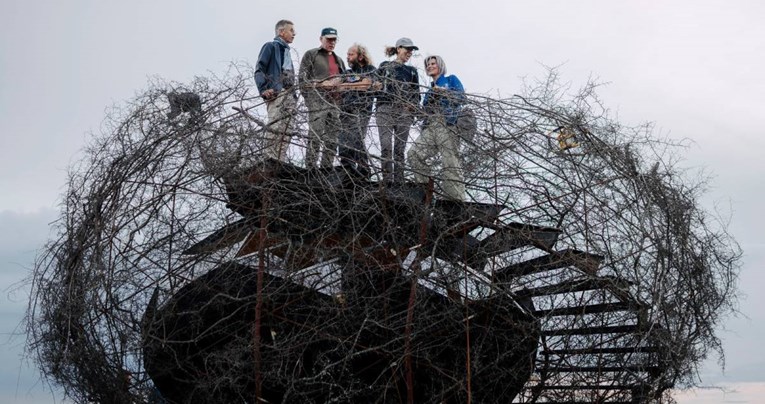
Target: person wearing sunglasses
[[397, 101]]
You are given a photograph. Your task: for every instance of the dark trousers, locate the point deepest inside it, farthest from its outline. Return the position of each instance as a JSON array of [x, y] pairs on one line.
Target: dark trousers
[[351, 148]]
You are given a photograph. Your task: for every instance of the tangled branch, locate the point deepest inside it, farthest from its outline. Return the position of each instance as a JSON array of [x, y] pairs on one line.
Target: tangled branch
[[618, 239]]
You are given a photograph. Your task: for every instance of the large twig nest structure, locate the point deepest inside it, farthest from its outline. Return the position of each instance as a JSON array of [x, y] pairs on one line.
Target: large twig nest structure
[[631, 248]]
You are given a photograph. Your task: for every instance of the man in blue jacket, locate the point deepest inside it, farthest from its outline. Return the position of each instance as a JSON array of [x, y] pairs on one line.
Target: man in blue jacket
[[275, 77]]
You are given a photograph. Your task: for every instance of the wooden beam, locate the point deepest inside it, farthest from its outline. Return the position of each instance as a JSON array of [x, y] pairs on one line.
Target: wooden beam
[[602, 351], [587, 309], [575, 285], [585, 262], [617, 329]]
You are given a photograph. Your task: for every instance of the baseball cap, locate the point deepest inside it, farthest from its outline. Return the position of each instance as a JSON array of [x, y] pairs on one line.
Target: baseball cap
[[406, 43], [329, 32]]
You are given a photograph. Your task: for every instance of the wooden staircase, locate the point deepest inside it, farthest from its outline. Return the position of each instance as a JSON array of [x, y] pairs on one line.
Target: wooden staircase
[[595, 343]]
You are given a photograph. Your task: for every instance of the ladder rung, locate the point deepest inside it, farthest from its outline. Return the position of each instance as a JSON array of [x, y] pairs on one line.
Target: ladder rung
[[588, 309], [586, 262], [592, 330], [600, 351], [575, 285], [584, 387], [599, 369]]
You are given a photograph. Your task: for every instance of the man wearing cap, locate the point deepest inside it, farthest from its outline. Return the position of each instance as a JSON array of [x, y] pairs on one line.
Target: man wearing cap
[[275, 77], [320, 69]]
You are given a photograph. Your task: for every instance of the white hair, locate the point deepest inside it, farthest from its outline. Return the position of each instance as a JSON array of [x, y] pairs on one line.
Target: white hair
[[282, 24], [439, 62]]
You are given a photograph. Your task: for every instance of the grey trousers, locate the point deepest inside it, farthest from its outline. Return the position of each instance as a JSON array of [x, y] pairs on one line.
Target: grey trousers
[[393, 122], [323, 128]]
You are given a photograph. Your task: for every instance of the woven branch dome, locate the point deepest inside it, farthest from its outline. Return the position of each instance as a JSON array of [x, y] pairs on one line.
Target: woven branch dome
[[580, 243]]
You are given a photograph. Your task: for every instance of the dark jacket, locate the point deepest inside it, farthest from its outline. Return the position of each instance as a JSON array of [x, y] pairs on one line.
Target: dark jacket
[[314, 67], [447, 100], [269, 72], [401, 83], [358, 100]]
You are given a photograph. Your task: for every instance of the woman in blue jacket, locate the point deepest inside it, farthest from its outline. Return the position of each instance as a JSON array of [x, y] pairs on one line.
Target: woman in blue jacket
[[442, 105]]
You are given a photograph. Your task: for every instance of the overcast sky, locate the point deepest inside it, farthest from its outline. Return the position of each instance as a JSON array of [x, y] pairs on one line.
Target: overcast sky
[[692, 67]]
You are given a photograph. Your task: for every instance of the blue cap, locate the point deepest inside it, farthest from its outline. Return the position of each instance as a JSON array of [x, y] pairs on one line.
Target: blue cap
[[329, 32]]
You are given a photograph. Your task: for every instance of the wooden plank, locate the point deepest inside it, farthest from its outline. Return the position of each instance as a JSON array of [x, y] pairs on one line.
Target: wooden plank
[[226, 236], [585, 387], [587, 309], [618, 329], [586, 262], [599, 369], [575, 285], [507, 238], [602, 351], [251, 245]]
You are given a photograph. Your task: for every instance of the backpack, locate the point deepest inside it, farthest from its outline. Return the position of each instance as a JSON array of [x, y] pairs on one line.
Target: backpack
[[467, 125]]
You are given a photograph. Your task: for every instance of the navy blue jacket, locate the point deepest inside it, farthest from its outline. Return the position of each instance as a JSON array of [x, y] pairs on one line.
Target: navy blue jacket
[[400, 83], [269, 73], [354, 100]]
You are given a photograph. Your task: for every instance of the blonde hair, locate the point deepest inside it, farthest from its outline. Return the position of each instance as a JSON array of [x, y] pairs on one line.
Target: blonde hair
[[363, 54]]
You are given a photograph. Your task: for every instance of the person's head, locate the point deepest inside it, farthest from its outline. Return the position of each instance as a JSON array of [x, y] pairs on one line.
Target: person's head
[[359, 55], [328, 39], [435, 66], [403, 50], [285, 30]]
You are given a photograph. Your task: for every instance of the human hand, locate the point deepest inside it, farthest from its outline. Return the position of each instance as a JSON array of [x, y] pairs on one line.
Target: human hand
[[269, 94], [331, 82]]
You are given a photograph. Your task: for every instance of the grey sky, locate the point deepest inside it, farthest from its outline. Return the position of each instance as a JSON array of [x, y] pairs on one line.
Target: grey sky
[[692, 67]]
